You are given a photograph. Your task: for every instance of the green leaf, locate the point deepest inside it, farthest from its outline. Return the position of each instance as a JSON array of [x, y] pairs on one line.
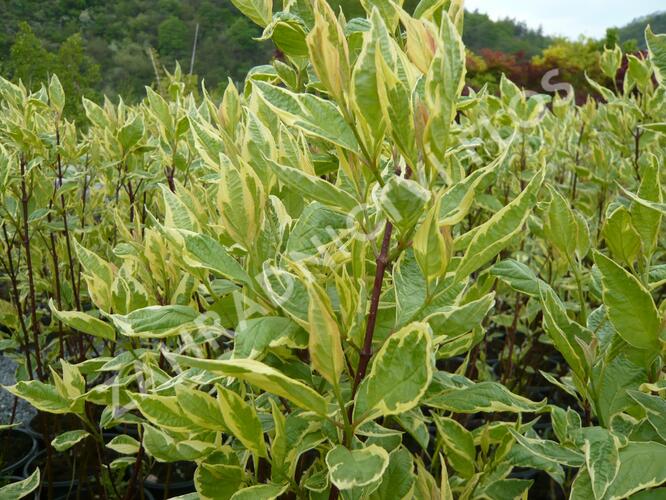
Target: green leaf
[[325, 342], [443, 85], [602, 458], [458, 445], [264, 377], [42, 396], [21, 489], [201, 408], [395, 96], [655, 410], [218, 481], [316, 228], [240, 199], [400, 374], [203, 252], [453, 321], [165, 448], [130, 134], [508, 489], [364, 96], [125, 445], [402, 201], [287, 292], [659, 128], [314, 188], [66, 440], [482, 397], [641, 467], [560, 224], [629, 305], [160, 109], [518, 276], [647, 221], [398, 480], [610, 61], [413, 422], [155, 321], [95, 113], [550, 450], [259, 148], [162, 411], [329, 52], [387, 10], [313, 115], [657, 49], [432, 246], [659, 207], [621, 237], [356, 468], [255, 336], [426, 486], [98, 275], [281, 453], [566, 334], [457, 200], [242, 421], [56, 93], [177, 214], [260, 492], [494, 235], [610, 381], [259, 11], [84, 323], [410, 288]]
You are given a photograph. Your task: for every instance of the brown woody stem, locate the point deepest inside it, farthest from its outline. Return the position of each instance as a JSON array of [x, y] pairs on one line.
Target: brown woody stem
[[25, 199], [382, 263]]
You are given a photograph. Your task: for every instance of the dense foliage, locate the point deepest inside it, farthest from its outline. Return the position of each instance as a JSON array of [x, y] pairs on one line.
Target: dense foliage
[[346, 278]]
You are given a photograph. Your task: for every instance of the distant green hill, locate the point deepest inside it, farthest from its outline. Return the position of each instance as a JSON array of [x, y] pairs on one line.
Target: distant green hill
[[635, 30], [505, 35], [117, 35]]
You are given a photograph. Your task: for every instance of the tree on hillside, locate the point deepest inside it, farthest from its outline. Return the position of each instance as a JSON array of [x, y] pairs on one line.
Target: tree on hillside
[[78, 73], [173, 39], [29, 61]]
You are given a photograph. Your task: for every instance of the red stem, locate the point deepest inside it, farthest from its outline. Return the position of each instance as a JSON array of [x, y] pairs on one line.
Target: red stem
[[366, 352], [25, 198]]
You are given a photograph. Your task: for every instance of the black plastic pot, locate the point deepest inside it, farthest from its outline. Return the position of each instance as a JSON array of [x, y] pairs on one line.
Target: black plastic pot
[[67, 489], [450, 364], [523, 473], [5, 480], [540, 392], [123, 429], [60, 486], [181, 481], [57, 424], [20, 446]]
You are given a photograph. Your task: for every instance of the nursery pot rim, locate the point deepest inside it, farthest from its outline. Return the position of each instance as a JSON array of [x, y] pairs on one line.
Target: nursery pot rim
[[19, 465], [172, 484], [69, 496], [62, 483]]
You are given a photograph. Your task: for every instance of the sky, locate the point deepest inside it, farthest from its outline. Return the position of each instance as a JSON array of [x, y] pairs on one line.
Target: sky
[[570, 18]]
